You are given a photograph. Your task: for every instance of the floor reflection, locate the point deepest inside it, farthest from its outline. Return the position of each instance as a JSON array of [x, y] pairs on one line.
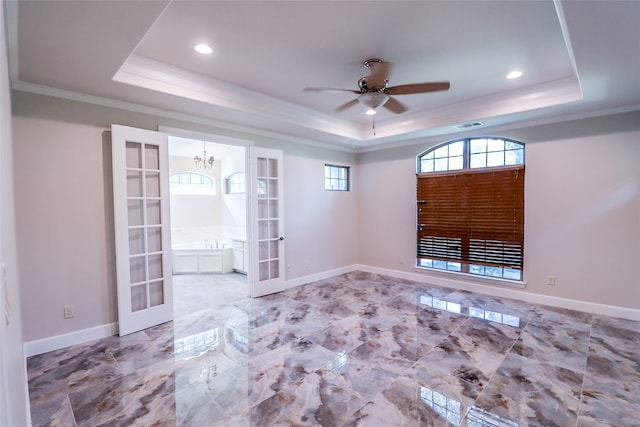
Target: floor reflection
[[195, 345], [448, 408], [478, 417]]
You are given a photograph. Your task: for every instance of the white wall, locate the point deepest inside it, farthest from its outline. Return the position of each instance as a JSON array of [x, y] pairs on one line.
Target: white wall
[[65, 219], [582, 209], [196, 218], [233, 210], [14, 403]]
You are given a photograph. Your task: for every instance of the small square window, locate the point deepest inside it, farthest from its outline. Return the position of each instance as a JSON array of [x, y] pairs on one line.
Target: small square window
[[336, 178]]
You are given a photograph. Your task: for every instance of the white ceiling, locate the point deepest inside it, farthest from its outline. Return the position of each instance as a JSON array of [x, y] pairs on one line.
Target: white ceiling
[[579, 58]]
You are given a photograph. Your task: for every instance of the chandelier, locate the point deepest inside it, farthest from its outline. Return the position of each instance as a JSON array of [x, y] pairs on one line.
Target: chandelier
[[204, 162]]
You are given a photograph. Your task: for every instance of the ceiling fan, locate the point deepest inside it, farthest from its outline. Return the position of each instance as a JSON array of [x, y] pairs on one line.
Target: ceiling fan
[[375, 91]]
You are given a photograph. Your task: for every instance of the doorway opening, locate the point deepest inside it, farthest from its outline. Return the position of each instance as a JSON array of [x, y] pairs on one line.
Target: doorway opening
[[208, 200]]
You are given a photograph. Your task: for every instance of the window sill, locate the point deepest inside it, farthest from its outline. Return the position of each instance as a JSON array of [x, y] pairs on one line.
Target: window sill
[[485, 280]]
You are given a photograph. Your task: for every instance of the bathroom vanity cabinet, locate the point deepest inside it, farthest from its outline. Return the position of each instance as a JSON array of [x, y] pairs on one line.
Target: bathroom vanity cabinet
[[198, 261], [240, 261]]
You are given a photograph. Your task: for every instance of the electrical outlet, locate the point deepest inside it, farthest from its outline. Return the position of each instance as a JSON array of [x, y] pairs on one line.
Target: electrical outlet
[[68, 311], [551, 280]]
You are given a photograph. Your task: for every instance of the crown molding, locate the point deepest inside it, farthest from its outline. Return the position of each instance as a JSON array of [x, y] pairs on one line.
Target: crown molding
[[164, 78], [168, 114], [443, 136], [160, 77]]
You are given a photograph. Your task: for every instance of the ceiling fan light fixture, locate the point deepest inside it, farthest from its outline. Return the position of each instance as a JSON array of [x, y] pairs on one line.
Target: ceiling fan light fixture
[[370, 112], [373, 100]]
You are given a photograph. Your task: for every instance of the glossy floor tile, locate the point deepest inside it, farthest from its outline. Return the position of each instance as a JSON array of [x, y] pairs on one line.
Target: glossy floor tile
[[354, 350], [196, 292]]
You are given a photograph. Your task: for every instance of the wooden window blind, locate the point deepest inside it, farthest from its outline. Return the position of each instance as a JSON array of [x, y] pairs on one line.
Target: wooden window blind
[[472, 217]]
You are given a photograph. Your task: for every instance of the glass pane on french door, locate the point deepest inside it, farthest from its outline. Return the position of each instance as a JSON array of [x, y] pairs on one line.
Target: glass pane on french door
[[143, 197]]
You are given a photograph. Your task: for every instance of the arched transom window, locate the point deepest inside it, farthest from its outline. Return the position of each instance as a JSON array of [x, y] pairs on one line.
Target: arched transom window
[[473, 153], [191, 183]]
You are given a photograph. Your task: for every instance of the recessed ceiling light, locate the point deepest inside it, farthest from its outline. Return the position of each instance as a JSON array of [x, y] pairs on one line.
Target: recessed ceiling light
[[203, 49], [514, 74]]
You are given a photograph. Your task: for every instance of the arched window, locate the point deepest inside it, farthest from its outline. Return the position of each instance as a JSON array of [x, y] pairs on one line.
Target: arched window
[[235, 183], [192, 183], [470, 207], [472, 153]]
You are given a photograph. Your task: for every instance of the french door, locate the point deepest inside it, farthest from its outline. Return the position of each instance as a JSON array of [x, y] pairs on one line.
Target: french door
[[142, 229], [267, 222]]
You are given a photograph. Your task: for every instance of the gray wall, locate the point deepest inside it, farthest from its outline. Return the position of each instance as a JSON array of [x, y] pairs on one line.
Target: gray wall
[[582, 208], [65, 213], [14, 408]]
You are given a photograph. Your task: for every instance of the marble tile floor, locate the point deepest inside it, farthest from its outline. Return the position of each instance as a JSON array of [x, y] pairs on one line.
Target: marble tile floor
[[354, 350], [197, 292]]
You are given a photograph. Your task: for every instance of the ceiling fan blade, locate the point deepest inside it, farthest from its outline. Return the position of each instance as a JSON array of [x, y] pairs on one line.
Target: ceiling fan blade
[[327, 89], [394, 105], [417, 88], [346, 105]]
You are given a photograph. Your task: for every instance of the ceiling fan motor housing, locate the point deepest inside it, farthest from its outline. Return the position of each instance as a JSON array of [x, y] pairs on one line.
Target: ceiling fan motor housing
[[364, 86]]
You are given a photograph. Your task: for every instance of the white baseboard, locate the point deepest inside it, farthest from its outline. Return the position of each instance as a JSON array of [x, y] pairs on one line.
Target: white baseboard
[[32, 348], [507, 292], [319, 276]]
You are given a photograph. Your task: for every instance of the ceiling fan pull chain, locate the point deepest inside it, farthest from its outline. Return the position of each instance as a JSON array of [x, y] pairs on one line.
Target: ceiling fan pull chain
[[373, 124]]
